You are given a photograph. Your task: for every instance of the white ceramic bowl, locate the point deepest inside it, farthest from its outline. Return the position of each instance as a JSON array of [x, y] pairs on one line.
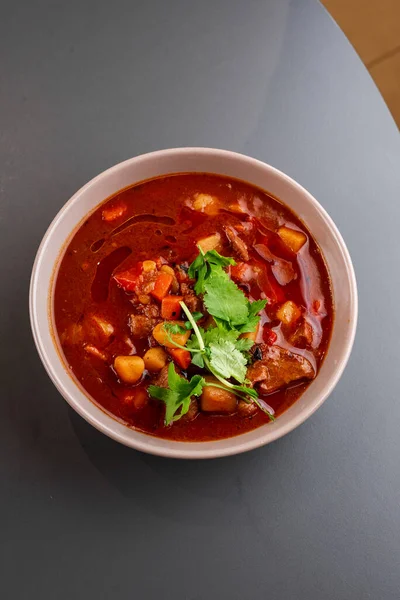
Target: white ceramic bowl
[[211, 161]]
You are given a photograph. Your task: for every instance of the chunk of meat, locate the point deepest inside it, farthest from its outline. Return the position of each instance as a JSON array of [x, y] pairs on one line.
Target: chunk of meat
[[192, 412], [246, 409], [151, 311], [238, 244], [141, 326], [303, 334], [193, 303], [278, 368], [162, 378]]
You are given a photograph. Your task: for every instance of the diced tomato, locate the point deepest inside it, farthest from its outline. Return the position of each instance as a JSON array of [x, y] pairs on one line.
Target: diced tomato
[[181, 357], [130, 279], [269, 336], [110, 213], [170, 307], [162, 286]]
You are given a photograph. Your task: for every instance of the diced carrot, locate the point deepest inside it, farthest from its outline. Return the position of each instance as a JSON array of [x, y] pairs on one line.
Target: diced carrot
[[110, 213], [170, 307], [181, 357], [130, 279], [162, 286]]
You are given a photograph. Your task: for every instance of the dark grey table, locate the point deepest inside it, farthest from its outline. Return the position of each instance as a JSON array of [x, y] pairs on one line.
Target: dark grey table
[[314, 516]]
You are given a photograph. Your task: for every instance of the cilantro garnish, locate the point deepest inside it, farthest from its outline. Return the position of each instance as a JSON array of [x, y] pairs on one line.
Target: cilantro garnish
[[219, 349], [222, 297], [178, 394]]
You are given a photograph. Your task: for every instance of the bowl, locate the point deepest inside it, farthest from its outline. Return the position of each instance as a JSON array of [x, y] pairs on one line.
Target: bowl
[[181, 160]]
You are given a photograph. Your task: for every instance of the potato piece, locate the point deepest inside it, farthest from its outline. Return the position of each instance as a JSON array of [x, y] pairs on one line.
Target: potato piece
[[214, 399], [162, 336], [292, 238], [168, 269], [212, 242], [206, 204], [247, 409], [129, 368], [288, 313], [149, 265], [155, 359]]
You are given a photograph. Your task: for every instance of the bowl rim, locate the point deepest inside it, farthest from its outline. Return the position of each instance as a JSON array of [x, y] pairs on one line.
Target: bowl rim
[[181, 449]]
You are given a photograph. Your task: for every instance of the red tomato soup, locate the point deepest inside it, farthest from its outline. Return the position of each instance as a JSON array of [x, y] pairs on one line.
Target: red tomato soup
[[129, 308]]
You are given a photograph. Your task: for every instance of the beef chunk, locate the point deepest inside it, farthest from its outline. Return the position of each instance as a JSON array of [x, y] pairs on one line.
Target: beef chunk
[[192, 412], [193, 303], [303, 334], [246, 409], [141, 326], [238, 244], [278, 368], [162, 378]]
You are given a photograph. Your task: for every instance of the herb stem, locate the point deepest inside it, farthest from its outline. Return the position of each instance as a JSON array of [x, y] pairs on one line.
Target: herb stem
[[194, 325], [194, 350]]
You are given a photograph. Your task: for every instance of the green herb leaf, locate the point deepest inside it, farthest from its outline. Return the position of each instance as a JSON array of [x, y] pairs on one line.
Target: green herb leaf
[[224, 300], [227, 361], [196, 316], [198, 360], [256, 306], [178, 394], [244, 344], [174, 328]]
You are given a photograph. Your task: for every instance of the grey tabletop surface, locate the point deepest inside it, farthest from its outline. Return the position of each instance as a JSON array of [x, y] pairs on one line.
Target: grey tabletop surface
[[85, 84]]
